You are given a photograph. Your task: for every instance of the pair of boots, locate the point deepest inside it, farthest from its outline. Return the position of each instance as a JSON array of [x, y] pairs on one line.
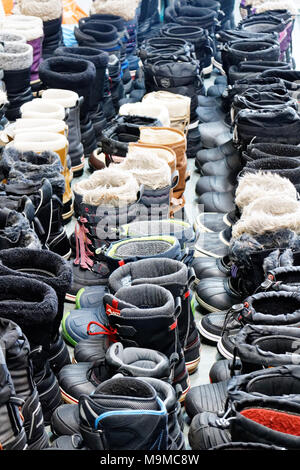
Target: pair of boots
[[162, 271], [249, 418], [233, 249], [34, 284], [50, 12], [126, 320]]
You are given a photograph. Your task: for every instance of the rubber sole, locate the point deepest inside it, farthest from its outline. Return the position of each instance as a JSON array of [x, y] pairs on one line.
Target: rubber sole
[[64, 332], [211, 337], [206, 306], [78, 169], [77, 298], [223, 351], [192, 366], [68, 398]]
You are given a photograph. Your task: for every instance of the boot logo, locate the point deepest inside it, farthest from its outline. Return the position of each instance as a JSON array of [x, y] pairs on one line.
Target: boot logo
[[165, 83], [112, 311]]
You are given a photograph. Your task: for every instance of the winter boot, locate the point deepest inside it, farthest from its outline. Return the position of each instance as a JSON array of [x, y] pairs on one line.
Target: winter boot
[[164, 273], [287, 314], [20, 262], [175, 140], [50, 11], [16, 61], [235, 52], [76, 75], [100, 60], [66, 419], [33, 306], [179, 107], [13, 436], [83, 378], [126, 305], [155, 110], [31, 27], [128, 397], [17, 354], [71, 102], [16, 231]]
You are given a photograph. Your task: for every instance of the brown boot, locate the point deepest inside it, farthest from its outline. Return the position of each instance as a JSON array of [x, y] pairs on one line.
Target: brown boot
[[176, 141]]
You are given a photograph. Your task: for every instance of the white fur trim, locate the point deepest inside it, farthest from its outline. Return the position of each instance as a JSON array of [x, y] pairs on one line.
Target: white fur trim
[[268, 214], [253, 186], [164, 153], [110, 186], [16, 56], [147, 167], [124, 8], [48, 125], [66, 98], [43, 109], [31, 27], [178, 105], [153, 110], [40, 141], [7, 36]]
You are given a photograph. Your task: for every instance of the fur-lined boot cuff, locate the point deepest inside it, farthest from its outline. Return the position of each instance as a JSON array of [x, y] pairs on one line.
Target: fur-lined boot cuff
[[147, 167], [30, 27], [154, 110], [253, 186], [268, 214], [111, 186], [45, 9], [124, 8], [16, 56]]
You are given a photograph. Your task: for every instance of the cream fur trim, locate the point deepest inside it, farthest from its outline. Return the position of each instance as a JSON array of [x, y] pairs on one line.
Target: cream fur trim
[[268, 214], [148, 168], [39, 141], [124, 8], [277, 5], [45, 9], [262, 5], [166, 154], [154, 110], [48, 125], [253, 186], [178, 105], [44, 109], [111, 186], [159, 136], [31, 27], [66, 98]]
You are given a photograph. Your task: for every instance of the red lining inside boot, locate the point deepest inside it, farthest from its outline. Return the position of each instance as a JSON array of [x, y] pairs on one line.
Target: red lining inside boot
[[277, 420]]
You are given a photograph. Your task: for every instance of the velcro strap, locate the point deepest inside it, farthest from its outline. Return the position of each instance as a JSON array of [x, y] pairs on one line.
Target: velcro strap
[[124, 330]]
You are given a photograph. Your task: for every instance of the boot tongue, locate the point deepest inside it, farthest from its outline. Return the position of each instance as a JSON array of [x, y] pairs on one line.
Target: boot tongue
[[125, 393]]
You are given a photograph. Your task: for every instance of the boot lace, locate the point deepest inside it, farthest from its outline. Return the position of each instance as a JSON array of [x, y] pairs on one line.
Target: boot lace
[[83, 253], [110, 332]]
